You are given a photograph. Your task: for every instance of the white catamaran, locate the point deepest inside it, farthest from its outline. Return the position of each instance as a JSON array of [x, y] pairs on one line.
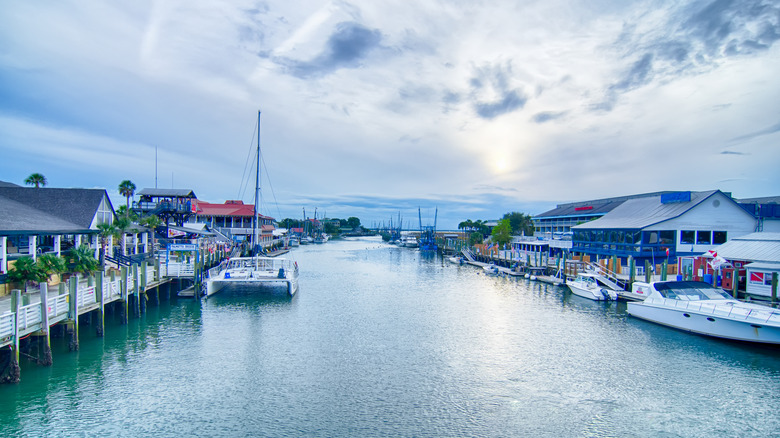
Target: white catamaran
[[256, 270]]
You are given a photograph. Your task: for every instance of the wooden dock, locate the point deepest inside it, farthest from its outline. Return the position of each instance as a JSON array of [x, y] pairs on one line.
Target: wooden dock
[[34, 314]]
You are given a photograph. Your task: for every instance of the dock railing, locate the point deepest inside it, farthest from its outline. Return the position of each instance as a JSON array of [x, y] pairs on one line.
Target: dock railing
[[7, 322]]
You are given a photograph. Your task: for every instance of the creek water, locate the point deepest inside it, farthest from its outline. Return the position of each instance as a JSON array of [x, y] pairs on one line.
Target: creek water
[[386, 341]]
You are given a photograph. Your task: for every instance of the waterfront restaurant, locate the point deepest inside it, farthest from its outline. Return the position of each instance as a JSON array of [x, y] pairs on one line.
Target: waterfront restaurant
[[663, 227], [558, 222], [49, 220], [234, 219]]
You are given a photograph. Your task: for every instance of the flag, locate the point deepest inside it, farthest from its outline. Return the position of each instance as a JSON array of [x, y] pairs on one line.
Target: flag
[[757, 277], [718, 261]]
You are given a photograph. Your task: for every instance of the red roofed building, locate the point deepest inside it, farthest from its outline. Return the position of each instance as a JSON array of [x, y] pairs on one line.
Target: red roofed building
[[234, 219]]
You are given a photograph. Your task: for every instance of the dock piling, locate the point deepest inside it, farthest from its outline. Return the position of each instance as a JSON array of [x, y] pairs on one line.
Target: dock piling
[[73, 322], [45, 338], [101, 316], [13, 372], [125, 297]]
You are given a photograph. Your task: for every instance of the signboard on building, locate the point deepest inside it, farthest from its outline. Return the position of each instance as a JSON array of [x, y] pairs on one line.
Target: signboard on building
[[182, 247]]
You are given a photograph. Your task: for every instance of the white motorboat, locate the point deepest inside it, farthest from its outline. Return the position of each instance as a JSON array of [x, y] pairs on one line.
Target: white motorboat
[[491, 269], [697, 307], [457, 260], [254, 271], [592, 286], [408, 242]]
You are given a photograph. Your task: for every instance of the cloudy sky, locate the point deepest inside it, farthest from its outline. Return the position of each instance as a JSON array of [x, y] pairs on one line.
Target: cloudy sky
[[374, 108]]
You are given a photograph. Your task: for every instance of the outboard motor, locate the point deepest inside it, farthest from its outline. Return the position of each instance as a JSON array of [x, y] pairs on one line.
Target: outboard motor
[[606, 294], [281, 273]]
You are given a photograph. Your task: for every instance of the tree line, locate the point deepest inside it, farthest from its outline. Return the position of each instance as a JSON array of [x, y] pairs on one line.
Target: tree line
[[511, 224]]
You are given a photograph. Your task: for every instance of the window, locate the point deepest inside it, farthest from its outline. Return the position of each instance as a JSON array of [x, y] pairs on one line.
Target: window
[[718, 237], [666, 237], [703, 238], [104, 213], [687, 237]]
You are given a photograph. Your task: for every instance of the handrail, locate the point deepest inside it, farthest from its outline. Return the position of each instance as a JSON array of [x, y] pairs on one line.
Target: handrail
[[7, 320]]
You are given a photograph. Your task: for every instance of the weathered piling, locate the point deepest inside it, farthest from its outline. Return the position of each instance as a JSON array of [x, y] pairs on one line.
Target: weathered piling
[[73, 314], [13, 371], [101, 316], [125, 295], [45, 335]]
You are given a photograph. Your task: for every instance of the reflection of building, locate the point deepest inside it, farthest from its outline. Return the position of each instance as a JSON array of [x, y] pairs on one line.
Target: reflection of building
[[234, 219], [662, 227], [40, 220], [170, 205]]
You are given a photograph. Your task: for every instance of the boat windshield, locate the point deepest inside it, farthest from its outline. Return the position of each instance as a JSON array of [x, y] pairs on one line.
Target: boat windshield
[[690, 291]]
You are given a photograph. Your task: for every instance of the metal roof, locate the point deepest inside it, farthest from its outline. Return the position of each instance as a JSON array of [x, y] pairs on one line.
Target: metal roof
[[635, 214], [172, 193], [763, 200], [758, 247], [597, 206], [767, 266]]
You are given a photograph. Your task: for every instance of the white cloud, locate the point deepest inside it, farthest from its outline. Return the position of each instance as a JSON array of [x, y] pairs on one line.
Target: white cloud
[[553, 101]]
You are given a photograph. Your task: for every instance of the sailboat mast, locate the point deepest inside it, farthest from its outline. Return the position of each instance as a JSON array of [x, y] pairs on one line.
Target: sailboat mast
[[256, 225]]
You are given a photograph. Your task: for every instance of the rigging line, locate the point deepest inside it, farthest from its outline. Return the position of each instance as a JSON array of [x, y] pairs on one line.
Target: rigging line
[[271, 186], [246, 164], [242, 194]]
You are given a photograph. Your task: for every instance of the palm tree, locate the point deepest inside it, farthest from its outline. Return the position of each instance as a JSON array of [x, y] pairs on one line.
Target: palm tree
[[26, 270], [82, 260], [122, 224], [36, 179], [51, 264], [105, 231], [127, 189], [152, 222]]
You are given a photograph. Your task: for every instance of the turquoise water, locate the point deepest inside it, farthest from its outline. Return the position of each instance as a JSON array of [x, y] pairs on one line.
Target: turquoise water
[[381, 341]]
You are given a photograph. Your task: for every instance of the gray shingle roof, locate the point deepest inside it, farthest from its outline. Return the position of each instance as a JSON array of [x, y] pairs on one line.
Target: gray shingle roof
[[639, 213], [77, 206], [17, 218]]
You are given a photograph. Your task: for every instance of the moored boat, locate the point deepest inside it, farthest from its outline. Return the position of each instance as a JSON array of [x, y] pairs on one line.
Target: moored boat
[[592, 286], [697, 307], [254, 271]]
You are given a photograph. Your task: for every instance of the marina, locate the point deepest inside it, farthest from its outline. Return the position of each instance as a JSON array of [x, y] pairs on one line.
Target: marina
[[410, 345]]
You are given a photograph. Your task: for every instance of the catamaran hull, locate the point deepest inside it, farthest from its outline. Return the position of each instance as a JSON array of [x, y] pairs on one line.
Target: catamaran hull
[[708, 324], [214, 286]]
